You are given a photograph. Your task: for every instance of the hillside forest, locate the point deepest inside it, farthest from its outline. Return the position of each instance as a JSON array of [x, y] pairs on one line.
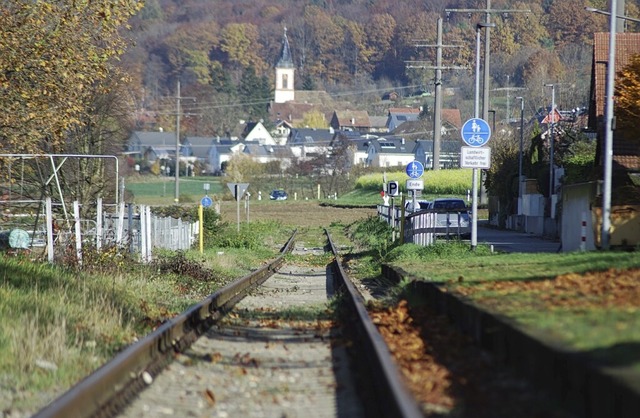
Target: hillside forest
[[224, 52], [77, 77]]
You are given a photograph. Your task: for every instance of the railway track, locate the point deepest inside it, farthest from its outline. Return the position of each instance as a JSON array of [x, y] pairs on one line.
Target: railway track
[[268, 344]]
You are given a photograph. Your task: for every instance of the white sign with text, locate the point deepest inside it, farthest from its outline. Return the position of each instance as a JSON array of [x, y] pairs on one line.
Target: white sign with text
[[475, 157]]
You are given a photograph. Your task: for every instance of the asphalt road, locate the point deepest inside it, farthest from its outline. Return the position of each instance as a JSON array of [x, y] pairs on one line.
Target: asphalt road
[[511, 241]]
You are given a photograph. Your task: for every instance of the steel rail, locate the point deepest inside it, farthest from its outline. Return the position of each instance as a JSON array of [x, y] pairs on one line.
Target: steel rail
[[391, 397], [106, 391]]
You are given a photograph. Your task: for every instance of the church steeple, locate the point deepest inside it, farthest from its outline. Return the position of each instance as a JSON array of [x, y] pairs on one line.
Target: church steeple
[[285, 56], [285, 70]]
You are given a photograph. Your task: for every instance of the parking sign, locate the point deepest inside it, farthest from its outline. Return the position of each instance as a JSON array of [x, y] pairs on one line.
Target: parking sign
[[393, 188]]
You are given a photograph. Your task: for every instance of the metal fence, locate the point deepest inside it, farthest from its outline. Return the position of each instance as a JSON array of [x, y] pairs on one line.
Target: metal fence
[[423, 228], [132, 227]]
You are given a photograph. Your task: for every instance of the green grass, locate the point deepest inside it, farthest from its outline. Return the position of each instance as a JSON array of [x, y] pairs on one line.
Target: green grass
[[368, 197], [59, 324], [518, 286], [482, 266], [151, 190], [609, 334]]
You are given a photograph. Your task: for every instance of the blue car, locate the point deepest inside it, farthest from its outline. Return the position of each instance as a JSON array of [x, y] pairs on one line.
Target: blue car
[[278, 195]]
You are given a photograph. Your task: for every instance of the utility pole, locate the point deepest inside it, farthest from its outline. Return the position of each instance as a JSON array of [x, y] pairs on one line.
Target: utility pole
[[437, 116], [508, 89], [487, 41], [178, 113]]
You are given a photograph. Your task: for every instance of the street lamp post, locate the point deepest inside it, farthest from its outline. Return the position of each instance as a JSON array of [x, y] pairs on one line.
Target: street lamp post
[[551, 146], [520, 154], [608, 153], [476, 113], [493, 119]]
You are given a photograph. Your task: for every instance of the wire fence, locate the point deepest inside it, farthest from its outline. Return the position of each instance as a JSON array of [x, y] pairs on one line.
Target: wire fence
[[32, 226]]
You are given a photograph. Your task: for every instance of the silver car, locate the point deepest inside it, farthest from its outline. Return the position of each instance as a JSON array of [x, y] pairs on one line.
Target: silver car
[[452, 212], [420, 205]]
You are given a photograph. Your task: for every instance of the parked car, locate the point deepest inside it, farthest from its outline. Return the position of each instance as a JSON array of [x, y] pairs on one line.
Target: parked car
[[420, 205], [454, 212], [278, 195]]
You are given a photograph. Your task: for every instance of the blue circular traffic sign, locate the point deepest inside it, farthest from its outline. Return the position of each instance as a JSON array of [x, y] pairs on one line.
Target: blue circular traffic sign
[[476, 132], [206, 202], [415, 169]]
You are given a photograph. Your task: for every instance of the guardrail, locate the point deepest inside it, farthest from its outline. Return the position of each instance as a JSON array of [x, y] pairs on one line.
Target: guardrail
[[424, 227]]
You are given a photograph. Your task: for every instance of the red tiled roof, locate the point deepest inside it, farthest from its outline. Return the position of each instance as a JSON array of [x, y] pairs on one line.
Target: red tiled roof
[[627, 45], [452, 116], [626, 150]]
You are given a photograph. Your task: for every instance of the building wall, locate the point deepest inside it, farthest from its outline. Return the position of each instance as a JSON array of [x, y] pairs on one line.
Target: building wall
[[284, 91]]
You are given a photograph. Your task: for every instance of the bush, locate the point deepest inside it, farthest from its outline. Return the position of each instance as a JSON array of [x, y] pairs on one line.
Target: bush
[[372, 233], [250, 236], [450, 250]]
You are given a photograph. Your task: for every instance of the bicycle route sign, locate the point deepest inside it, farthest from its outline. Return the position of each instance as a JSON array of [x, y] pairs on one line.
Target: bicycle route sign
[[476, 132], [415, 169], [206, 202]]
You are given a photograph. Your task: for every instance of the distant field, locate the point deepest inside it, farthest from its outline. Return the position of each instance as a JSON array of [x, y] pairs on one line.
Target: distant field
[[294, 213], [149, 190]]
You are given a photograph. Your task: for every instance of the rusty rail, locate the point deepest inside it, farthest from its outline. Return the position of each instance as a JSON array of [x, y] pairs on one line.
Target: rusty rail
[[390, 397], [106, 391]]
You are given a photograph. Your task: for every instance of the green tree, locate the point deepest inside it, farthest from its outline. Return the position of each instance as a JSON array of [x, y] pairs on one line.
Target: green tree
[[255, 93], [314, 119], [53, 55], [502, 178]]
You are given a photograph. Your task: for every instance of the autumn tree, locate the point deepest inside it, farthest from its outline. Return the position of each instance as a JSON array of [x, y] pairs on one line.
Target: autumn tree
[[240, 42], [380, 32], [327, 34], [569, 22], [54, 53], [102, 130], [188, 48], [627, 103], [334, 174]]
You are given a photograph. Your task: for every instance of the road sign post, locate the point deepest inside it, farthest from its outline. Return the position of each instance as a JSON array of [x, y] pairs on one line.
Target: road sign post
[[415, 170], [475, 132], [238, 190]]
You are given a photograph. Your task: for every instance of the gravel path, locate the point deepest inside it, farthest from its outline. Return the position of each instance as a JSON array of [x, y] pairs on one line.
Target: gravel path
[[276, 355]]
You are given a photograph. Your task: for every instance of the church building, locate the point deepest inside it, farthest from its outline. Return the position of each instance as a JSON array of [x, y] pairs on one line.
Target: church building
[[285, 71]]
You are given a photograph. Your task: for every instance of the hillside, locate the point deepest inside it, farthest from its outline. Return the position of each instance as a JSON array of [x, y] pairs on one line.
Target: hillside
[[224, 52]]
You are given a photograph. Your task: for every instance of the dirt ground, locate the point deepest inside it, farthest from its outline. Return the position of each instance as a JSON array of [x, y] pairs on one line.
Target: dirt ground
[[296, 213]]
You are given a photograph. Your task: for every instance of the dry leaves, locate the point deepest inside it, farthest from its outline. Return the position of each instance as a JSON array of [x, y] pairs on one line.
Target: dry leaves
[[448, 374]]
